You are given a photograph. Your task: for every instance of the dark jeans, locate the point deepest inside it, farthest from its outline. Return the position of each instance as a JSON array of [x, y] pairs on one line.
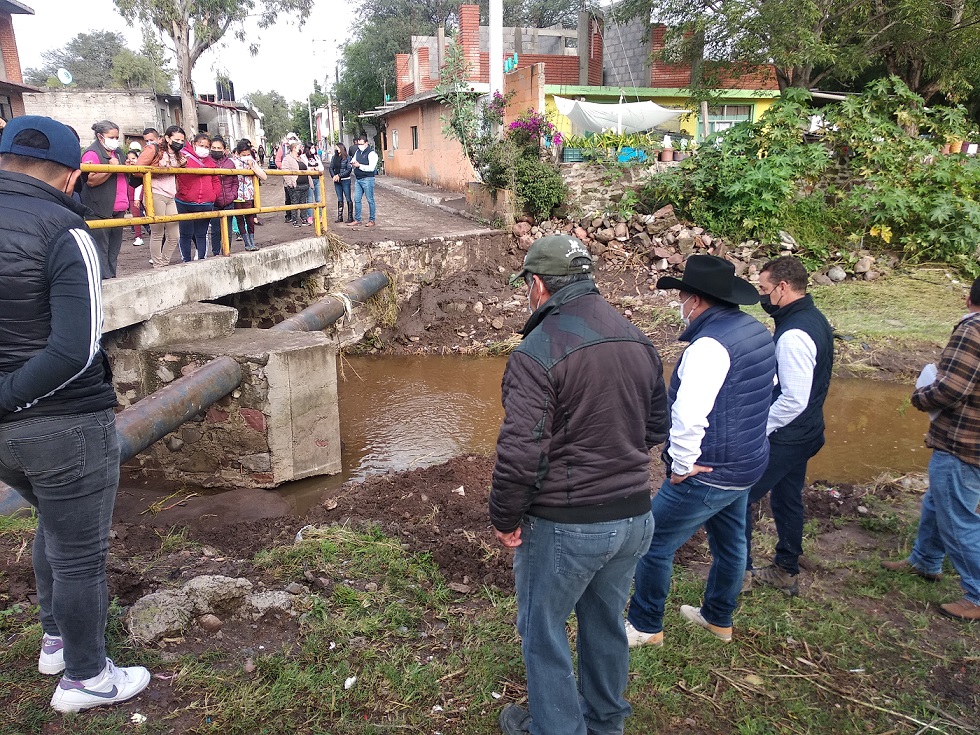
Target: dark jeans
[[784, 476], [216, 231], [68, 468], [297, 195], [194, 231]]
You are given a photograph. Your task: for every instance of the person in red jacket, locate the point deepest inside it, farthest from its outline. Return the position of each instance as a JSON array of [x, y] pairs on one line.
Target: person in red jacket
[[227, 189], [196, 193]]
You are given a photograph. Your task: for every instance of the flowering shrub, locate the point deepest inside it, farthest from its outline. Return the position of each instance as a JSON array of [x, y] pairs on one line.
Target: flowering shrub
[[530, 128]]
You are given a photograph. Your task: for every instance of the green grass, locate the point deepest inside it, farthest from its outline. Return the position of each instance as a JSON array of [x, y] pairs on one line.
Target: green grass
[[863, 658], [906, 308]]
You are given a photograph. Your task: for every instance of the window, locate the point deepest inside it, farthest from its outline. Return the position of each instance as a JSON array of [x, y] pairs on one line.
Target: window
[[723, 117], [6, 109], [415, 137], [394, 140]]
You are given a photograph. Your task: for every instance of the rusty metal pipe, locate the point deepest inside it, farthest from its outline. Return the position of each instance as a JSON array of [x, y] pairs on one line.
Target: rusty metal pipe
[[152, 418], [325, 312], [155, 416]]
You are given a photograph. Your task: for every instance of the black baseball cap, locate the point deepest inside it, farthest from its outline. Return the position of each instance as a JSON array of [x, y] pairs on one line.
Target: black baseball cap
[[63, 146], [553, 256]]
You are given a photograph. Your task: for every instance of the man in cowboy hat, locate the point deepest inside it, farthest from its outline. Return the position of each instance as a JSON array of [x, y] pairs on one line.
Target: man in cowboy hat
[[716, 450], [584, 402]]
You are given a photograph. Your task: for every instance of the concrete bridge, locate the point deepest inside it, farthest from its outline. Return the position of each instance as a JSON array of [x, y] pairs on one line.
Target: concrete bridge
[[281, 422]]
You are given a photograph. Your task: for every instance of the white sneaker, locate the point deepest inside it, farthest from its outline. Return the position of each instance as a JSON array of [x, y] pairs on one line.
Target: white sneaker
[[52, 658], [113, 685], [693, 615], [137, 242], [637, 638]]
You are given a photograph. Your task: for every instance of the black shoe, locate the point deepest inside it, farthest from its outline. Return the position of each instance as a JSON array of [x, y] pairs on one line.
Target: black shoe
[[514, 720]]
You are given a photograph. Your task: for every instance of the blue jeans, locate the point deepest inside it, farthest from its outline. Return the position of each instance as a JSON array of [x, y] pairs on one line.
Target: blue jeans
[[587, 568], [679, 510], [949, 524], [313, 197], [363, 187], [215, 231], [342, 189], [193, 231], [68, 468], [785, 476]]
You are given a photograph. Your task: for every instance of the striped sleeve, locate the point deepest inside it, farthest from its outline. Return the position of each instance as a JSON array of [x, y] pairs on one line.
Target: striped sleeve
[[75, 300]]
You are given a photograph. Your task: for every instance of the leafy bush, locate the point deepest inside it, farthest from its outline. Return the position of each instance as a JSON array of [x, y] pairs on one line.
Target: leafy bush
[[756, 179], [537, 184]]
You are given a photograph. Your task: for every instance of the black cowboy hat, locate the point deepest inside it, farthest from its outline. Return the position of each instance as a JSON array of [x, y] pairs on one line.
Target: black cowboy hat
[[714, 277]]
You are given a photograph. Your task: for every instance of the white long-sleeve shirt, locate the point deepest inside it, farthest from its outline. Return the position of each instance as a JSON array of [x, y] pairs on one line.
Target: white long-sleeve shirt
[[702, 371], [796, 359]]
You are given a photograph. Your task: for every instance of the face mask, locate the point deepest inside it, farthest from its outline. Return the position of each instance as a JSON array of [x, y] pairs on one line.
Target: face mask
[[217, 155], [201, 151], [765, 301], [680, 309], [530, 292], [362, 146], [176, 146], [110, 144]]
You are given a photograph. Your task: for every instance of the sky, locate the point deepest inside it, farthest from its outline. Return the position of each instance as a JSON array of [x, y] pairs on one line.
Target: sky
[[288, 61]]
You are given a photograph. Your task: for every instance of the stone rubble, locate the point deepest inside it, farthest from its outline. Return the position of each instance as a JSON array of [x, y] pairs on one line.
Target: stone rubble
[[661, 243]]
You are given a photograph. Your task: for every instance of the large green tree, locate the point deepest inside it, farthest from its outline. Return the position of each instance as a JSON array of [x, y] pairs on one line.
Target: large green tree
[[148, 69], [275, 114], [194, 26], [88, 56]]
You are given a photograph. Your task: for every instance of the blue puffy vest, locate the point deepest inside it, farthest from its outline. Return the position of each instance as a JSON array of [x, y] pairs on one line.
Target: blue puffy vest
[[735, 443]]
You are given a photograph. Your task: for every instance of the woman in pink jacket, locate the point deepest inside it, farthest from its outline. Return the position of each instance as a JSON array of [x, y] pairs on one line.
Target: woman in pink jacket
[[196, 194]]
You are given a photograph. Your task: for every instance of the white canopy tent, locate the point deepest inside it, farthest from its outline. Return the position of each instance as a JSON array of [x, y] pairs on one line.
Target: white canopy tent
[[623, 117]]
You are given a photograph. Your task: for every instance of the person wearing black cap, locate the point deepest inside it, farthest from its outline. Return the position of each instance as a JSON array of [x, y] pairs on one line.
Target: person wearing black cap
[[58, 446], [716, 450], [584, 402]]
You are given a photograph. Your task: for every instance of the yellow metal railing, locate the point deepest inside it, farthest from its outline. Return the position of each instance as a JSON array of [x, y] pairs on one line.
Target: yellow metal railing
[[319, 208]]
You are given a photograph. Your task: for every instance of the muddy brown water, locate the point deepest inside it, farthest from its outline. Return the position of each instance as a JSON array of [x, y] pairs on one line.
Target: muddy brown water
[[399, 413]]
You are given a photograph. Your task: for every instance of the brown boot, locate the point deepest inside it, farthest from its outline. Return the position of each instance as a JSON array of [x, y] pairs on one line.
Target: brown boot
[[905, 566], [961, 610]]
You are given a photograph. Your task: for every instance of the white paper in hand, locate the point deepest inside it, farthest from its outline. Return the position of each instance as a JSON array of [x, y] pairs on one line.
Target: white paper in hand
[[927, 377]]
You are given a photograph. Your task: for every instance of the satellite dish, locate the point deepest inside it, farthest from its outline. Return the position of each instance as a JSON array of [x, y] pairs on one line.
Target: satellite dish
[[64, 76]]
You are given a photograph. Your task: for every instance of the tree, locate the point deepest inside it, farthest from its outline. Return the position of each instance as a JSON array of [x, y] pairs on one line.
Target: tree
[[88, 56], [538, 13], [299, 112], [932, 45], [275, 114], [804, 40], [194, 26], [146, 70]]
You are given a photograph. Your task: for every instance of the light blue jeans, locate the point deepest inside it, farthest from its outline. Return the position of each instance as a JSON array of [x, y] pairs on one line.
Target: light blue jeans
[[949, 524], [587, 568], [363, 187], [68, 468], [679, 510]]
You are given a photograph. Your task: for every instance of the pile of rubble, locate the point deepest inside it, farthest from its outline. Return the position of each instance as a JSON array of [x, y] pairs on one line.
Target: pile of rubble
[[662, 243]]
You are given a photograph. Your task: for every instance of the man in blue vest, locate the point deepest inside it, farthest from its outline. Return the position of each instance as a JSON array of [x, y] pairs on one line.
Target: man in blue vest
[[804, 362], [58, 446], [364, 162], [716, 450]]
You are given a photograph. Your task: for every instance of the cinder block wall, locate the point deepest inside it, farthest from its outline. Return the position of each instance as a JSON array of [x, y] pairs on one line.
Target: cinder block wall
[[626, 55]]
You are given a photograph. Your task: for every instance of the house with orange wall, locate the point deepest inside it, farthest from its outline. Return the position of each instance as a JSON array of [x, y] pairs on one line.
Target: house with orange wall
[[12, 85]]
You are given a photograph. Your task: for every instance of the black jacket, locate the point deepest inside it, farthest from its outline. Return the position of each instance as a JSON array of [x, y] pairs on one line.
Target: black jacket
[[51, 362], [585, 401]]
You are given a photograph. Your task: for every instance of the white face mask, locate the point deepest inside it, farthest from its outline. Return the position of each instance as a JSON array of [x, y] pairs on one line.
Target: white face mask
[[201, 151], [110, 144], [362, 146], [680, 309]]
